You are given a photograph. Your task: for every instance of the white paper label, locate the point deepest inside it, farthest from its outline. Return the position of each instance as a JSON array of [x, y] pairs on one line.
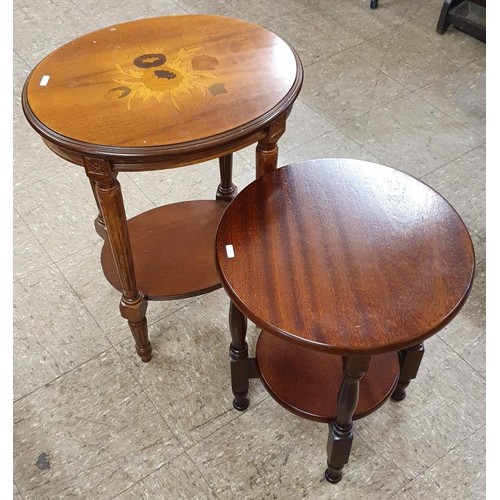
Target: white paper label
[[229, 251], [45, 79]]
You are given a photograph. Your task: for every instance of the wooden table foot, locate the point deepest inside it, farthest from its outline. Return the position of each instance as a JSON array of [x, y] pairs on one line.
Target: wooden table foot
[[135, 312], [409, 361]]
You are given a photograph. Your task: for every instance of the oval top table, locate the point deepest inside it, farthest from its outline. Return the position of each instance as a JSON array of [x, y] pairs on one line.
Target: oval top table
[[346, 265], [161, 93]]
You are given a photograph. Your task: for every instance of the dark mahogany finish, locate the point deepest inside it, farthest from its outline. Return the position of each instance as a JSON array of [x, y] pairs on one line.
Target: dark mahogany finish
[[459, 13], [226, 191], [313, 393], [238, 356], [154, 94], [345, 256], [340, 436], [343, 263], [409, 360]]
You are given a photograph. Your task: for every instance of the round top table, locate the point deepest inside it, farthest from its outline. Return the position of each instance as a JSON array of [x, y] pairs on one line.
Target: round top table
[[161, 93], [347, 266], [345, 256]]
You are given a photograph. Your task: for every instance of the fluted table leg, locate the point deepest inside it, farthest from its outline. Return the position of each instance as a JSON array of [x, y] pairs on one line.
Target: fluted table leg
[[133, 304], [226, 190]]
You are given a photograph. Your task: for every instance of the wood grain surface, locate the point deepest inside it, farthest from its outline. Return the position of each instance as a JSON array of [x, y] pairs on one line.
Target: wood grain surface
[[346, 256], [162, 81], [172, 249], [306, 381]]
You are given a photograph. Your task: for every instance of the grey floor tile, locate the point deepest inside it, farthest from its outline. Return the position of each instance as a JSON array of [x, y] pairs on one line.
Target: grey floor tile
[[415, 58], [33, 161], [345, 86], [411, 135], [177, 479], [256, 11], [90, 434], [423, 14], [29, 256], [303, 125], [479, 247], [16, 495], [188, 378], [61, 209], [303, 36], [347, 22], [333, 144], [20, 73], [466, 334], [463, 183], [459, 474], [53, 332], [181, 184], [269, 453], [403, 495], [84, 273], [444, 403], [40, 27], [462, 97], [120, 11]]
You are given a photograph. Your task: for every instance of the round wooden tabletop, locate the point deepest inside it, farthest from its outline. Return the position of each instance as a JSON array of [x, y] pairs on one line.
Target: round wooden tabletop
[[162, 82], [345, 256]]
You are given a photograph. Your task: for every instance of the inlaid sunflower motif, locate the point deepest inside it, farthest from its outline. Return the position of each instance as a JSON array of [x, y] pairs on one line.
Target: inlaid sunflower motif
[[156, 77]]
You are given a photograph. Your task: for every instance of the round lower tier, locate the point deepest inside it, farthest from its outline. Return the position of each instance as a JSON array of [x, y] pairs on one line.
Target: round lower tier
[[173, 250], [306, 381]]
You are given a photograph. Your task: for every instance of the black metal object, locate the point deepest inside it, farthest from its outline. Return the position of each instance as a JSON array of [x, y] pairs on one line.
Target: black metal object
[[462, 14]]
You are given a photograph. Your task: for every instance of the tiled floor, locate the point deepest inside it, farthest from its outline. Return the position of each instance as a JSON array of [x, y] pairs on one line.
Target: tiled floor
[[379, 85]]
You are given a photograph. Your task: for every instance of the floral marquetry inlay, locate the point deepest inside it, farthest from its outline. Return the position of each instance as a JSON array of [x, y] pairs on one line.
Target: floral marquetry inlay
[[162, 81], [155, 75]]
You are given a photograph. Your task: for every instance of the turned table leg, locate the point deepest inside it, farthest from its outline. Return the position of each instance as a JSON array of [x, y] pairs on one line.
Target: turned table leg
[[409, 363], [133, 304], [238, 356], [267, 148], [226, 190], [340, 431], [99, 224]]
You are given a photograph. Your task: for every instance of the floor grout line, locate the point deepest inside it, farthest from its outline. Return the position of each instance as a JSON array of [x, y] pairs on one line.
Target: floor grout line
[[62, 375], [446, 454], [451, 161]]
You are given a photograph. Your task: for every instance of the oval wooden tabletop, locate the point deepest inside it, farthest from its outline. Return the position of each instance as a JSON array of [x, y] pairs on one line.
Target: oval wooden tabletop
[[162, 81], [345, 255]]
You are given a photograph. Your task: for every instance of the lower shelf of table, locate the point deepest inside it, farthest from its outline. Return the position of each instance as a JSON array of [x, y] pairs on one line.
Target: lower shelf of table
[[306, 381], [172, 249]]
